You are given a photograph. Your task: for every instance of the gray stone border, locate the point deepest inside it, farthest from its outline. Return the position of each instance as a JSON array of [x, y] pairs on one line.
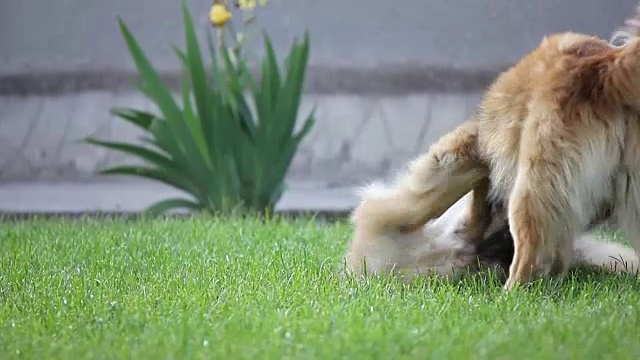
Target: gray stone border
[[328, 216], [392, 80]]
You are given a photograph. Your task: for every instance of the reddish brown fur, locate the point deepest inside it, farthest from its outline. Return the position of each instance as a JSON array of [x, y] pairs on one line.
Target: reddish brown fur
[[564, 110], [580, 86], [556, 137]]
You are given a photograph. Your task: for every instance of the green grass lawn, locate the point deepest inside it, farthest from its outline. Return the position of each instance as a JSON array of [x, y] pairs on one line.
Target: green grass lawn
[[243, 289]]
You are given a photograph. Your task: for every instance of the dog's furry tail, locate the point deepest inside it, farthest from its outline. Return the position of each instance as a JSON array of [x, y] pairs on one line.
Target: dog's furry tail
[[630, 30], [386, 207], [605, 254]]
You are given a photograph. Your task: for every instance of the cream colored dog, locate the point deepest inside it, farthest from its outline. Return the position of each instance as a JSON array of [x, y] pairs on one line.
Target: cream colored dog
[[381, 245]]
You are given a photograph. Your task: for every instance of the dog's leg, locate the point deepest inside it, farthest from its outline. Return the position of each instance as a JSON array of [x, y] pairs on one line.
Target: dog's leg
[[541, 213], [627, 208], [557, 192], [434, 182], [477, 216], [540, 228]]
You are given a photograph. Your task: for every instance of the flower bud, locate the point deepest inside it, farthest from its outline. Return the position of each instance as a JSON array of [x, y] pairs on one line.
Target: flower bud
[[219, 15]]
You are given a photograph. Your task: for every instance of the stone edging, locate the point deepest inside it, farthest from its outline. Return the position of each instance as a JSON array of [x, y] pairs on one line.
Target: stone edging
[[322, 215], [388, 80]]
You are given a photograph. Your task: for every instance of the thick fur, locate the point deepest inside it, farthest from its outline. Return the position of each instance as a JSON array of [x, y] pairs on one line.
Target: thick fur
[[432, 184], [381, 245], [558, 135], [552, 130], [550, 134]]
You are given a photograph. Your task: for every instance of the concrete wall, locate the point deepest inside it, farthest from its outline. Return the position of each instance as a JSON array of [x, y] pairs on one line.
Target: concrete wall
[[71, 35], [388, 78]]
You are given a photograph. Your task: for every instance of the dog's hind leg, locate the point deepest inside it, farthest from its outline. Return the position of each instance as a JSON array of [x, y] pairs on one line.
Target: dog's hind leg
[[433, 183], [626, 210], [477, 217]]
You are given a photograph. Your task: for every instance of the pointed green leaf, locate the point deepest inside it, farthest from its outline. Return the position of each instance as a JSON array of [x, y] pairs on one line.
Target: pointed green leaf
[[164, 138], [141, 119], [273, 70], [161, 139], [151, 85], [182, 56], [161, 175], [306, 126], [231, 78], [137, 151], [295, 78], [289, 100], [277, 193], [201, 91], [242, 107], [193, 123], [247, 122], [218, 81], [164, 206]]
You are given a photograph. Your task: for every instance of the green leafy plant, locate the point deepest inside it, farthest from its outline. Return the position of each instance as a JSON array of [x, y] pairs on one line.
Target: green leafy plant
[[231, 140]]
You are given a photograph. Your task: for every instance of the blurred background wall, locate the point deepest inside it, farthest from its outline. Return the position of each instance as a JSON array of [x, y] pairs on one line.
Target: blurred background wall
[[388, 78]]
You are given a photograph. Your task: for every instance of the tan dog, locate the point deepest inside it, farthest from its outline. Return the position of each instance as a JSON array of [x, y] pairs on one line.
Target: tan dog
[[380, 244], [558, 136], [555, 139]]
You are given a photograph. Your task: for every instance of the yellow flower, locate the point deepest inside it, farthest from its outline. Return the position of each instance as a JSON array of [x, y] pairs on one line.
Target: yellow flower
[[246, 4], [219, 15]]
